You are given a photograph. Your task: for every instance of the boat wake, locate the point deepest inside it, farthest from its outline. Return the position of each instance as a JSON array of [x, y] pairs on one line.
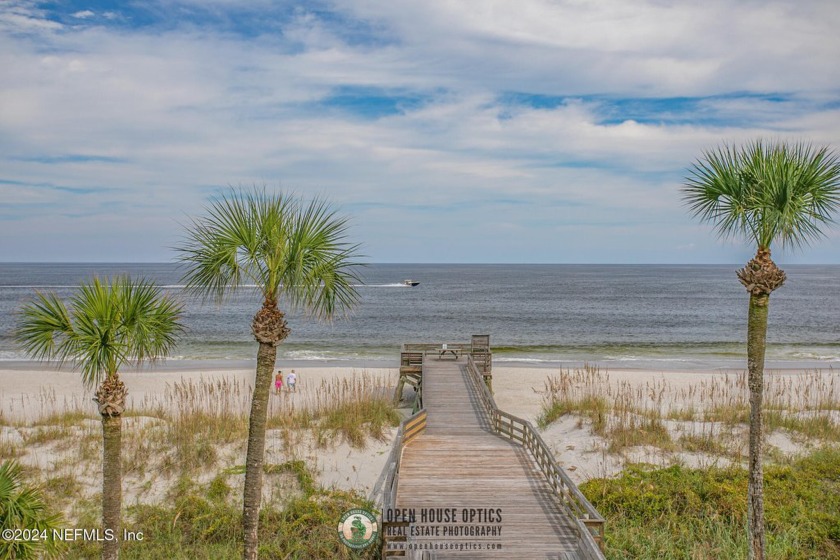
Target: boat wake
[[394, 285]]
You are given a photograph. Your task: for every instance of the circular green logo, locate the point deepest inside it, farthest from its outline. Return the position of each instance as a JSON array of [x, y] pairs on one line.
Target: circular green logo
[[358, 528]]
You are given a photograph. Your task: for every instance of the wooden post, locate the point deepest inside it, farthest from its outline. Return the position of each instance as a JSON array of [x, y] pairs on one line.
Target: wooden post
[[480, 350]]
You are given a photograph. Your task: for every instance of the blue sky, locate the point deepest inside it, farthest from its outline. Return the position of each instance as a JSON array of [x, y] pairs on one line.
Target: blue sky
[[492, 131]]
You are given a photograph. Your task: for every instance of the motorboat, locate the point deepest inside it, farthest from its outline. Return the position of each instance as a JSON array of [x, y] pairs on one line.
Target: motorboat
[[409, 282]]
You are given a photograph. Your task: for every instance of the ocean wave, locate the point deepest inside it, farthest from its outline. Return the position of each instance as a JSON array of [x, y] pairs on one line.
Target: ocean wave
[[44, 287], [815, 356], [325, 355], [528, 360], [224, 360], [652, 358]]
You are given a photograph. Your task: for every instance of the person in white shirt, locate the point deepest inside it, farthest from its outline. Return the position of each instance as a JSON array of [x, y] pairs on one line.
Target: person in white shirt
[[291, 379]]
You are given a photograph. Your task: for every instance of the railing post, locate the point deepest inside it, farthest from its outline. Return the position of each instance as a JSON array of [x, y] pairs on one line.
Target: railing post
[[482, 357], [596, 529]]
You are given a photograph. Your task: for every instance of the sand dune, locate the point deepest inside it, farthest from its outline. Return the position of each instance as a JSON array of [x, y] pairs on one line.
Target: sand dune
[[31, 394]]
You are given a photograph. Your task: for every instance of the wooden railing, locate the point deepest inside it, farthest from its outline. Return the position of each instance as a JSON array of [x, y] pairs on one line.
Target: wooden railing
[[384, 493], [588, 549], [571, 499], [411, 358], [430, 348], [413, 354]]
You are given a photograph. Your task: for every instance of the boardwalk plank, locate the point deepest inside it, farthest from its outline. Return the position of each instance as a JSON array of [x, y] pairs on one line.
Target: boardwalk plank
[[459, 463]]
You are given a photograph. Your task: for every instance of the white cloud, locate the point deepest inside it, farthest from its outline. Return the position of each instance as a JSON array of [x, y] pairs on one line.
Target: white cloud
[[651, 48], [84, 14], [24, 16], [137, 127]]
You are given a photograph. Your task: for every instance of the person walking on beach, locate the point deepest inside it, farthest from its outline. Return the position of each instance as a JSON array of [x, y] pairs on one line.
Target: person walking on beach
[[278, 382], [291, 379]]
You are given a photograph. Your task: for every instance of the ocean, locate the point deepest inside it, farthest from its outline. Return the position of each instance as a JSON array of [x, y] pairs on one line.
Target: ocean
[[667, 317]]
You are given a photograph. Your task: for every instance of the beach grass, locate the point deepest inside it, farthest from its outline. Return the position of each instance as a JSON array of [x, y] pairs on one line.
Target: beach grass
[[350, 409], [183, 448], [193, 430], [700, 514], [709, 415]]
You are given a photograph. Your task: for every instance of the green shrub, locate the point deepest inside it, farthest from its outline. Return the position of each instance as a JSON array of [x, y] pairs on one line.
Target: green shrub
[[700, 514], [199, 523]]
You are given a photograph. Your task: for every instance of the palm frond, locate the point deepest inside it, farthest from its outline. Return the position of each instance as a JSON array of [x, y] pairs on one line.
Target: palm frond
[[765, 192], [105, 325], [24, 507], [292, 251], [45, 329], [324, 263], [232, 244], [150, 320]]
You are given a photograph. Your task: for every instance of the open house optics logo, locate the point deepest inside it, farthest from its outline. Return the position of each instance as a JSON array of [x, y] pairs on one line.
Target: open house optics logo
[[358, 528]]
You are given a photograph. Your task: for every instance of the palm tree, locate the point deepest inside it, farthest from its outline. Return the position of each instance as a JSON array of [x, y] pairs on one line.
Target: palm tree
[[764, 192], [294, 253], [104, 327]]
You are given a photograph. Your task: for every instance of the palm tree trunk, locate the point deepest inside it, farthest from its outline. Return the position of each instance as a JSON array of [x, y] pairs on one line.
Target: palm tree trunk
[[111, 485], [266, 357], [756, 342]]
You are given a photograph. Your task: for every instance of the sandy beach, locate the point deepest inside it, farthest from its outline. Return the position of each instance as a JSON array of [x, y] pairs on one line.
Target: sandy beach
[[31, 392], [31, 396]]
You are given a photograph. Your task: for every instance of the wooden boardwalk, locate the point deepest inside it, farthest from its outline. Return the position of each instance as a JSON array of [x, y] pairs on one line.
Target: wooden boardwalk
[[459, 464]]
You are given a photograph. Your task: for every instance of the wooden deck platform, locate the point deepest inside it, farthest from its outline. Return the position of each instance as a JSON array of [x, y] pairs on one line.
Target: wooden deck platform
[[458, 463]]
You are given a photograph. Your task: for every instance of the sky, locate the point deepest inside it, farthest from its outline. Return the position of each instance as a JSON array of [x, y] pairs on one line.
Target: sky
[[528, 131]]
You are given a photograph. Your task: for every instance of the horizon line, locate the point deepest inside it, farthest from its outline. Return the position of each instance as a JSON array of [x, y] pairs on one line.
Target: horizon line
[[441, 263]]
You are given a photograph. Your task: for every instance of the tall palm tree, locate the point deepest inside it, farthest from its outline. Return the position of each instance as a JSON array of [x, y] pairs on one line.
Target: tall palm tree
[[105, 326], [764, 192], [294, 253]]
